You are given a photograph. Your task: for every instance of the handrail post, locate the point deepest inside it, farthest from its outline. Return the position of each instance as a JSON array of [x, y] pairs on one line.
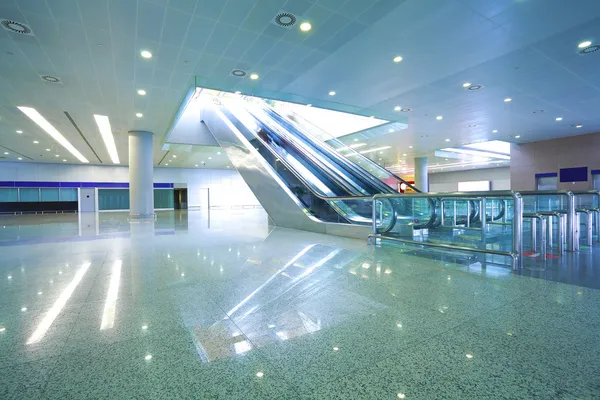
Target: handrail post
[[518, 230], [483, 218], [374, 216], [572, 228]]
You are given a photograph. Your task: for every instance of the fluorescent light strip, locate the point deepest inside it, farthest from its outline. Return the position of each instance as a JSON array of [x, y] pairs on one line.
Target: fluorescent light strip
[[107, 135], [108, 316], [50, 130], [375, 149], [58, 306], [477, 153]]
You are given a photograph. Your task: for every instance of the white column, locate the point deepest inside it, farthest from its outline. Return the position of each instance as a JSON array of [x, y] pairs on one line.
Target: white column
[[141, 185], [421, 178]]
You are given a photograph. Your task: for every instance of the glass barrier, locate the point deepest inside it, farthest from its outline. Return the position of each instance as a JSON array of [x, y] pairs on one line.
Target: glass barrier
[[486, 222], [9, 195]]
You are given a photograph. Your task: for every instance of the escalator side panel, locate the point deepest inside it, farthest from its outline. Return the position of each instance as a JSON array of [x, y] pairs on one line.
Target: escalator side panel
[[274, 196]]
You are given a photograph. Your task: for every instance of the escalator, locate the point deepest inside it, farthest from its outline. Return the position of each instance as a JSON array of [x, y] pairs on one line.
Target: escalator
[[301, 181]]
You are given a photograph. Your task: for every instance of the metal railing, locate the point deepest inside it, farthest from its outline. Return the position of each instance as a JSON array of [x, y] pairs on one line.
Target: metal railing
[[481, 198]]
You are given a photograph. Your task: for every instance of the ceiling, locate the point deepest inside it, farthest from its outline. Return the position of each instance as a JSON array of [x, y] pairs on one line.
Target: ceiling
[[522, 49]]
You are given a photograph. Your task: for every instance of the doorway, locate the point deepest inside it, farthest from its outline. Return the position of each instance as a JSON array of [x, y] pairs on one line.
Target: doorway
[[181, 201]]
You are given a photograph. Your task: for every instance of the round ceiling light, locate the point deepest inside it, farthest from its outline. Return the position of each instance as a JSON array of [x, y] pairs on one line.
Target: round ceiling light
[[19, 158], [578, 126], [19, 131], [507, 100], [495, 131], [466, 84], [447, 140], [406, 109], [397, 59], [589, 49], [139, 115], [254, 76], [332, 93], [439, 117], [397, 108], [35, 142], [474, 87], [146, 54], [141, 92], [305, 26], [559, 118], [584, 44]]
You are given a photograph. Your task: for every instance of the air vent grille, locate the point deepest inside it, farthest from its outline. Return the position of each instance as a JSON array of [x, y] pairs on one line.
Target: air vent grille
[[285, 19], [16, 27]]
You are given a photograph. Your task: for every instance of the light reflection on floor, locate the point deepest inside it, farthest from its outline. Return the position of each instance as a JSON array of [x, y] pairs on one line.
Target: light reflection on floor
[[224, 306]]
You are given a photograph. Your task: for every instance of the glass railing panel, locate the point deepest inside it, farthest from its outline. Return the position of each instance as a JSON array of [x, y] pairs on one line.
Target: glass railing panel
[[449, 220]]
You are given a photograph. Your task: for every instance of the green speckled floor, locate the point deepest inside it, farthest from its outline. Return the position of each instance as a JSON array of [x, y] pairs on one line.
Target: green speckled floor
[[93, 308]]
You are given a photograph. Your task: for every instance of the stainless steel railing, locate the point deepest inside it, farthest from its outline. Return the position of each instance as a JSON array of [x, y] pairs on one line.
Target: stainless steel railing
[[516, 248]]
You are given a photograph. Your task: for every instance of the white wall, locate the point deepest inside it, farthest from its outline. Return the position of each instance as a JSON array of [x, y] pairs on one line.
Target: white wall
[[227, 188], [448, 181]]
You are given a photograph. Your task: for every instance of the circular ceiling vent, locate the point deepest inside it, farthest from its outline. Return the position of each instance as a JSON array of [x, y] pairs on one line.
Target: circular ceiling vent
[[50, 78], [16, 27], [405, 109], [474, 87], [239, 73], [285, 19], [589, 49]]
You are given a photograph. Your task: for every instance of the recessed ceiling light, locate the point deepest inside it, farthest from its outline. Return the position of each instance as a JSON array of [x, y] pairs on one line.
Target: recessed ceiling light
[[578, 126], [356, 140], [559, 118], [50, 130], [404, 155], [64, 160], [439, 118], [254, 76], [397, 108], [466, 84], [390, 130], [517, 136], [57, 155], [238, 92], [332, 93], [19, 158], [210, 158], [19, 131], [139, 115], [410, 147], [167, 164], [6, 153], [109, 140], [305, 26], [47, 149], [141, 92], [585, 44], [35, 142], [495, 131], [196, 165], [397, 59], [507, 100], [447, 140], [146, 54], [218, 152], [174, 156]]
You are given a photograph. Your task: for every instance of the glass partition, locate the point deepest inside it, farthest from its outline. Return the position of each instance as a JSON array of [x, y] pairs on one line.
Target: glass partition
[[29, 194], [9, 195], [113, 199], [68, 194], [49, 194], [164, 198]]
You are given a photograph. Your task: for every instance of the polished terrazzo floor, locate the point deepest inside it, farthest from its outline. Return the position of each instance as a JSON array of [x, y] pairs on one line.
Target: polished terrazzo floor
[[225, 307]]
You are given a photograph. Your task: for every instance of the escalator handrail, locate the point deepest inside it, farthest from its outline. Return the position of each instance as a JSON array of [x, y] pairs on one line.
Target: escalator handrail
[[322, 164], [373, 163], [308, 186], [353, 169]]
